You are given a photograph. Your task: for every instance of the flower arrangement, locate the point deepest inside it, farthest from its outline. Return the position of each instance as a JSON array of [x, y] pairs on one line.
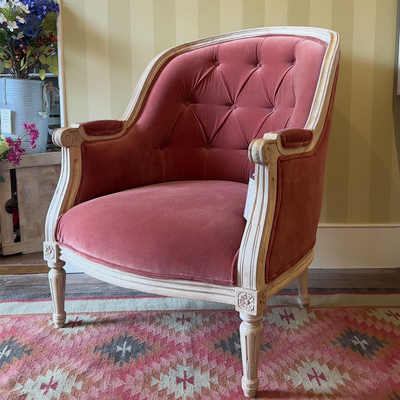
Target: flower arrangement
[[28, 37], [11, 150]]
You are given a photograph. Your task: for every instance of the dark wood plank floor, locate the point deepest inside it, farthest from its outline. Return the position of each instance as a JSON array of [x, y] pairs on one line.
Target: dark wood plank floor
[[23, 264], [36, 285], [25, 276]]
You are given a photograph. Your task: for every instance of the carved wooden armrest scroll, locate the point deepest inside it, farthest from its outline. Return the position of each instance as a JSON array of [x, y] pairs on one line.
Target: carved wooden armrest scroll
[[89, 131]]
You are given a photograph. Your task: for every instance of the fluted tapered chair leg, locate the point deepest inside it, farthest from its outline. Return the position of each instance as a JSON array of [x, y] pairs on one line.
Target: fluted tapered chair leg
[[250, 340], [57, 277], [302, 285]]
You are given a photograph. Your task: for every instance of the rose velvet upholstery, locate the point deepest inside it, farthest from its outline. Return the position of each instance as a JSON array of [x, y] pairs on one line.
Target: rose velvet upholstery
[[196, 124]]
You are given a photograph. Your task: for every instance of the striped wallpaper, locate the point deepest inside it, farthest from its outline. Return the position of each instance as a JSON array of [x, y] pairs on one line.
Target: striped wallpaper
[[108, 43]]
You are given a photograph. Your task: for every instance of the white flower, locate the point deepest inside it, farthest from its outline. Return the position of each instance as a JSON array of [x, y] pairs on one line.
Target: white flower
[[20, 19], [12, 25], [3, 3], [23, 7]]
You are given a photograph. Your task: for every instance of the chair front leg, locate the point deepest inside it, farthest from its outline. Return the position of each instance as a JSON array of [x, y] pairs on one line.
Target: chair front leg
[[57, 277], [302, 285], [250, 340]]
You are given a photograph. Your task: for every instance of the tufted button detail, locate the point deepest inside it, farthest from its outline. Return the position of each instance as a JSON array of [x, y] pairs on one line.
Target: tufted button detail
[[216, 63], [208, 147], [187, 104], [162, 147], [234, 107], [259, 65], [273, 109]]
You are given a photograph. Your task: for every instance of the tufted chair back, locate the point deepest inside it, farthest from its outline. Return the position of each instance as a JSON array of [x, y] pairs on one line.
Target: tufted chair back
[[208, 104]]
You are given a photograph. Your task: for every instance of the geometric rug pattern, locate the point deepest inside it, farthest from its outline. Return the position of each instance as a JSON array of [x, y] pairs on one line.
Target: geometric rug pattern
[[323, 353]]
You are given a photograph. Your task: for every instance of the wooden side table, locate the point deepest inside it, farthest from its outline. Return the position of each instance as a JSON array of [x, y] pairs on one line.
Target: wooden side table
[[36, 179]]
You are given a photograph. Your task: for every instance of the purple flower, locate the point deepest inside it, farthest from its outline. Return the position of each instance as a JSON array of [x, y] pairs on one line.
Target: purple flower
[[15, 151], [33, 133]]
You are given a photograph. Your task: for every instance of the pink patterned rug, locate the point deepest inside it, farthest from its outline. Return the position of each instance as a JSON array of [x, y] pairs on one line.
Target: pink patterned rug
[[320, 353]]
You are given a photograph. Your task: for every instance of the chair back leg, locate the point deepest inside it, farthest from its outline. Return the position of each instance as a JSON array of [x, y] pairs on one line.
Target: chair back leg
[[302, 285], [250, 341], [57, 277]]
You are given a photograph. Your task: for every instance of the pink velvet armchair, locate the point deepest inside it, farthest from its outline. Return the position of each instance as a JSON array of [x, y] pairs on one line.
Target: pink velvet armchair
[[155, 201]]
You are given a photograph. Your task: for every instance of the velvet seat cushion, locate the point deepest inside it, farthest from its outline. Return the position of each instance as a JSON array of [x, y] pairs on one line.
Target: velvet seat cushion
[[177, 230]]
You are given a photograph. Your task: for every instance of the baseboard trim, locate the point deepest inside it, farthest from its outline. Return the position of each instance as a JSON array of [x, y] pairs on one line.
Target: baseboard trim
[[357, 246]]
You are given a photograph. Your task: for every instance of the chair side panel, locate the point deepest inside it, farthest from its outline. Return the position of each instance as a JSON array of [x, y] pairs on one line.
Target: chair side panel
[[299, 202]]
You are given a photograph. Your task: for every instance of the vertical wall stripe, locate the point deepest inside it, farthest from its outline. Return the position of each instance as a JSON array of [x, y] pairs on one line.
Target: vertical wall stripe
[[253, 13], [186, 20], [321, 16], [321, 13], [209, 18], [395, 192], [276, 12], [75, 58], [395, 189], [98, 66], [361, 111], [163, 25], [142, 36], [231, 15], [382, 117], [120, 56], [298, 12], [338, 154]]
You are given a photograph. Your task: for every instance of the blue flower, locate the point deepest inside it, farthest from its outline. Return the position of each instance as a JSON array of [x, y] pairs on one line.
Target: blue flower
[[32, 25]]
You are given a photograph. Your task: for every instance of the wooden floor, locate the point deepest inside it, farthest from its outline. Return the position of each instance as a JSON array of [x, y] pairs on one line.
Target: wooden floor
[[23, 274], [16, 286], [23, 264]]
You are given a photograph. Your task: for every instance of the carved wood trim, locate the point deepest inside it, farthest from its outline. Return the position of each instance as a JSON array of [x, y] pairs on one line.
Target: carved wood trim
[[165, 287], [188, 289]]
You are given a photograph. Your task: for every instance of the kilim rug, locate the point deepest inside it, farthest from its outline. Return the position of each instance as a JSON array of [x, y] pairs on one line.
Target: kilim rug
[[147, 347]]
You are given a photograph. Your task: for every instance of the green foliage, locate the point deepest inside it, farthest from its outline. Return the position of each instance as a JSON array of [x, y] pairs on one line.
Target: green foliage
[[7, 64], [42, 74], [50, 23]]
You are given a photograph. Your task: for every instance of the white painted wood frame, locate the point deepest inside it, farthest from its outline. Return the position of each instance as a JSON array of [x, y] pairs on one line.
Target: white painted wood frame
[[251, 293]]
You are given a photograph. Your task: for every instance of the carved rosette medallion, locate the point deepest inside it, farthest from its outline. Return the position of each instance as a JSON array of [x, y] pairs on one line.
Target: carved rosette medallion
[[246, 301], [49, 253]]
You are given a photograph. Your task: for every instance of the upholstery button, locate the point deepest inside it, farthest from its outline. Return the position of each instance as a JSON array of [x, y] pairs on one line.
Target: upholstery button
[[259, 65], [208, 146], [273, 109], [187, 104], [162, 147], [234, 107], [216, 63]]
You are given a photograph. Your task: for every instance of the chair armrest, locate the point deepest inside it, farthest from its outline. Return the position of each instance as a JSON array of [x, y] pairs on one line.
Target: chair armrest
[[295, 138], [88, 131], [103, 127], [281, 143], [72, 141], [289, 163]]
